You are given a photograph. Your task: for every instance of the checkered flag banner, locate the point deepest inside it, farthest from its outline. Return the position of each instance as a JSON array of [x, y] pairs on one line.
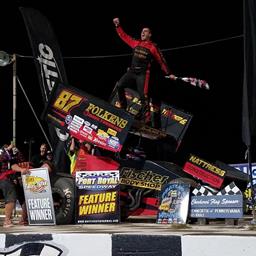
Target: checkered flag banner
[[193, 81], [230, 189], [201, 191]]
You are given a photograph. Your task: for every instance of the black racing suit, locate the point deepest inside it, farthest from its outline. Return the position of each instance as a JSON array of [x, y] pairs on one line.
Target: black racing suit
[[145, 55]]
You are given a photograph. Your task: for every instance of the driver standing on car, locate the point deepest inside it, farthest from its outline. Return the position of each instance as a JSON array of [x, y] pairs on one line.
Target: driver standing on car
[[146, 56]]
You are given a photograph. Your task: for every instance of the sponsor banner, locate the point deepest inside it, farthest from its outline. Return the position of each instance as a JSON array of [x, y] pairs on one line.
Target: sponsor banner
[[97, 197], [205, 171], [38, 196], [46, 50], [243, 167], [50, 71], [174, 202], [249, 78], [222, 206], [88, 118]]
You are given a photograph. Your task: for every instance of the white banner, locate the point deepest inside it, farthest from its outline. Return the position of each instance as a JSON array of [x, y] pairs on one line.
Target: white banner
[[38, 195]]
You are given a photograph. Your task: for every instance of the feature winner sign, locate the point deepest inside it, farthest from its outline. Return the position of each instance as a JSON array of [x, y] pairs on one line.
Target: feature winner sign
[[38, 195], [97, 197], [204, 171], [88, 118]]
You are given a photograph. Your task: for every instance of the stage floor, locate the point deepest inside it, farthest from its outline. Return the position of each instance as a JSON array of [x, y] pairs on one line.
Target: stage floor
[[142, 226]]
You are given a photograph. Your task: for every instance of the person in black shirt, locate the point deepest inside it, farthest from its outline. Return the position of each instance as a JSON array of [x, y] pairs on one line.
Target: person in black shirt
[[38, 159]]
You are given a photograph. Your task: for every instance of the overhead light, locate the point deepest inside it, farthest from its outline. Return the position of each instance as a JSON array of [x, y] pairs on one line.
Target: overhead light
[[5, 59]]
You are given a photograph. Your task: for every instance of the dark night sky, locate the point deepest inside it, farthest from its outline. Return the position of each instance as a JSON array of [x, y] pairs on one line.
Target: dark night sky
[[87, 30]]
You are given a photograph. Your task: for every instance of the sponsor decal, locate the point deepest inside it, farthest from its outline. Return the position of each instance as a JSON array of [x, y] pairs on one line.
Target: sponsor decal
[[106, 115], [205, 171], [97, 180], [68, 119], [113, 142], [35, 184], [168, 113], [46, 59], [142, 178]]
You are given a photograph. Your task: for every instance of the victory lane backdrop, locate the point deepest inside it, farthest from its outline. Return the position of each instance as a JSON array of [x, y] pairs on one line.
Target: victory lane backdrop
[[88, 118]]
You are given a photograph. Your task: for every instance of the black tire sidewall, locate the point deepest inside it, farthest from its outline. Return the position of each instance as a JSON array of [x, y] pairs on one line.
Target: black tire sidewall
[[64, 188]]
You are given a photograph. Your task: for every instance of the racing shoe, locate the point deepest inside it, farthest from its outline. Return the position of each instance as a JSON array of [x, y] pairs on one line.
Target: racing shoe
[[144, 114]]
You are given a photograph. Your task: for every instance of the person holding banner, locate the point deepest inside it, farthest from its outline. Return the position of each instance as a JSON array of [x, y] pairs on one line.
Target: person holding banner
[[10, 163], [38, 159], [146, 56], [74, 148]]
